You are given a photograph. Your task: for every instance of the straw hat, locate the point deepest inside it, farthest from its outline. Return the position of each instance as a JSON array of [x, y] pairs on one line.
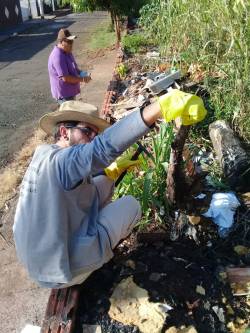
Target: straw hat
[[73, 111]]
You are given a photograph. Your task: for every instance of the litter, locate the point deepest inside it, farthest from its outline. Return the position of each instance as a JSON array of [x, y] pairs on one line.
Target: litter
[[165, 307], [153, 55], [222, 209], [163, 81], [219, 312]]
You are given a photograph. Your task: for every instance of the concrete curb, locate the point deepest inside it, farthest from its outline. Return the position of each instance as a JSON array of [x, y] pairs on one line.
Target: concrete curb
[[112, 87]]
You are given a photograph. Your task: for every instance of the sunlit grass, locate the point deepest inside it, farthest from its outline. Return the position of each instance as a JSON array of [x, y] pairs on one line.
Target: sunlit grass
[[102, 36]]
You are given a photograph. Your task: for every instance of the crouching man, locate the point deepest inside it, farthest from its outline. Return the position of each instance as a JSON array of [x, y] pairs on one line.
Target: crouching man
[[65, 224]]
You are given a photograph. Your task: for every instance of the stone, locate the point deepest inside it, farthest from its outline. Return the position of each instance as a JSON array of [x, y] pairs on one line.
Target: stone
[[91, 329], [189, 329], [194, 219], [155, 277], [130, 305], [200, 290]]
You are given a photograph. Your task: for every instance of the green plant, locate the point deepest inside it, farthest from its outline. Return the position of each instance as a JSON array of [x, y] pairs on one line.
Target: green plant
[[213, 35], [117, 9], [149, 185], [133, 43], [102, 37], [122, 70], [215, 177]]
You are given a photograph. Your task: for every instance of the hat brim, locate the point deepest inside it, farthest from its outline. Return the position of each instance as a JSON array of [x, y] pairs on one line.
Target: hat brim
[[71, 37], [48, 122]]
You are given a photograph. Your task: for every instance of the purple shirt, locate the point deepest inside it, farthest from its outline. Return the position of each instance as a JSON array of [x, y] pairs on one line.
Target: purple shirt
[[61, 64]]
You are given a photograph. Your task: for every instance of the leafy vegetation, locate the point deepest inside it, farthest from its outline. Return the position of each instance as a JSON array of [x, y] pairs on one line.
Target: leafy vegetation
[[117, 9], [214, 37], [149, 185], [122, 70], [133, 43]]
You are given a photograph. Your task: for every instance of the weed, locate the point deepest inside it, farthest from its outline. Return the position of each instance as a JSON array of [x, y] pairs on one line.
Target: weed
[[135, 42], [149, 185], [122, 70]]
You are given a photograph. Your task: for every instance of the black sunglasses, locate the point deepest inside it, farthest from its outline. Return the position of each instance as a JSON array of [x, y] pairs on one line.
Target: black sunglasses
[[85, 130]]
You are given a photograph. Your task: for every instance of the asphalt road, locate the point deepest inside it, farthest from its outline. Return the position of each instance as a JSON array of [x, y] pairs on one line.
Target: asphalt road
[[24, 83]]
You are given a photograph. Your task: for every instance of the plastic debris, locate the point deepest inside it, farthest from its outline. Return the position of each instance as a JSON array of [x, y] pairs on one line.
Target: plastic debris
[[152, 55], [219, 312], [200, 196], [222, 209], [165, 307], [163, 81]]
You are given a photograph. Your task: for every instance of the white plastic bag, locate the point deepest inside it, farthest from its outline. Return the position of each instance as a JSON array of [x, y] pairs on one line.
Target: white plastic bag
[[222, 209]]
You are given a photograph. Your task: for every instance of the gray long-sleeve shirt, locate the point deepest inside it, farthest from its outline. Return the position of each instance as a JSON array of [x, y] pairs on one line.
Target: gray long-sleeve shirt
[[56, 226]]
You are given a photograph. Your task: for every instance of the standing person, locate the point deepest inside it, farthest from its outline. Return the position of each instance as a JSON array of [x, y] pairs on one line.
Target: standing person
[[65, 76], [65, 224]]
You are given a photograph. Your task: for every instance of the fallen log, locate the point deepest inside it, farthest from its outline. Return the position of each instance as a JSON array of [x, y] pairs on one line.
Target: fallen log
[[231, 155]]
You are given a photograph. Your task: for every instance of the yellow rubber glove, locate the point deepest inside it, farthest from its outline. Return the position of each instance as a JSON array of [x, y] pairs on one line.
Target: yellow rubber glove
[[177, 103], [121, 164]]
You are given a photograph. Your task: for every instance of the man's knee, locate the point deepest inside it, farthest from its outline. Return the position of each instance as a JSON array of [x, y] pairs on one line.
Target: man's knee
[[134, 208]]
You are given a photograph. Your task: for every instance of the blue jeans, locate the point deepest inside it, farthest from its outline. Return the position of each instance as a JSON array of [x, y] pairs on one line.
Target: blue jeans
[[64, 99]]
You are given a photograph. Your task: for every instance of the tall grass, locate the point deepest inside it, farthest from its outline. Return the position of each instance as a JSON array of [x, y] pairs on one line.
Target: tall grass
[[213, 35]]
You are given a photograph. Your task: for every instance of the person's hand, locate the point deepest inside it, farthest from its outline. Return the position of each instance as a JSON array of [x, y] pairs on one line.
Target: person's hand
[[188, 107], [121, 164], [85, 76], [86, 79]]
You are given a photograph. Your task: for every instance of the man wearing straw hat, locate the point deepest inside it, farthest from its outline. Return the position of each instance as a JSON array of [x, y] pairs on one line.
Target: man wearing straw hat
[[65, 225]]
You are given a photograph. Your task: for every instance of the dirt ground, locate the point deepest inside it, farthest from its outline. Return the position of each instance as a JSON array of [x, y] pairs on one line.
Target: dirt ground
[[25, 96], [171, 271]]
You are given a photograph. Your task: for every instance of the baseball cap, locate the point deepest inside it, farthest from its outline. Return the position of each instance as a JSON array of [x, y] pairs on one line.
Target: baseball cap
[[65, 34]]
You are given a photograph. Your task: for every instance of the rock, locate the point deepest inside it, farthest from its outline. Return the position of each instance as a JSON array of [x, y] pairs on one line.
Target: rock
[[194, 219], [91, 329], [172, 329], [130, 306], [154, 277], [207, 305], [200, 290], [189, 329]]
